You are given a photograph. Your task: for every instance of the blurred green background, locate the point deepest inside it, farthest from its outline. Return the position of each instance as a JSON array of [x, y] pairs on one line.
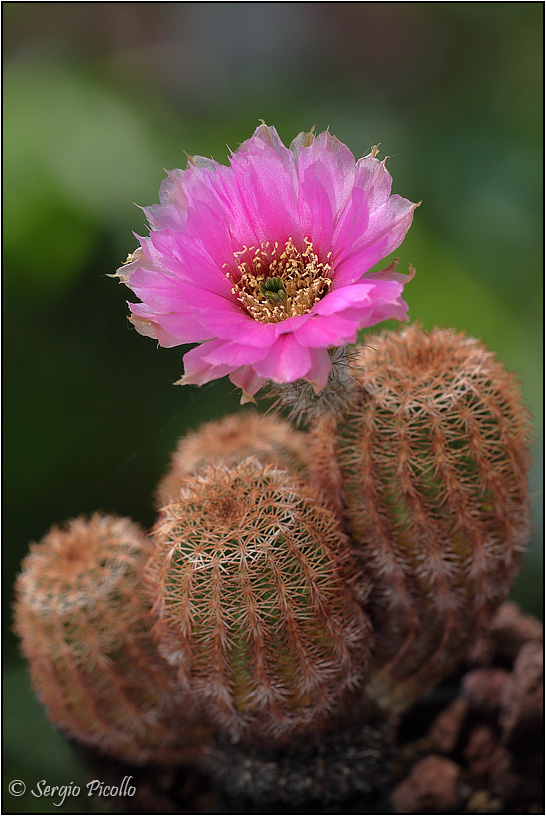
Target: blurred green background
[[100, 97]]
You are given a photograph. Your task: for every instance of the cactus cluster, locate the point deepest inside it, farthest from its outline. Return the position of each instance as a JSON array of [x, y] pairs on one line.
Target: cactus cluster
[[294, 581]]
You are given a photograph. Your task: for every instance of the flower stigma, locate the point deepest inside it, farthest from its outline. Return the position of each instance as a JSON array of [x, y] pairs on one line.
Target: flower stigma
[[276, 283]]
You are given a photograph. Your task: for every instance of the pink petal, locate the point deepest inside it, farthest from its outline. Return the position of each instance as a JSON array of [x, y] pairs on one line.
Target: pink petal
[[170, 330], [241, 328], [365, 303], [178, 254], [316, 211], [291, 324], [247, 379], [322, 332], [321, 365], [172, 210], [267, 185], [344, 158], [362, 238], [390, 274], [197, 297], [374, 179], [385, 304], [197, 371], [371, 315], [344, 298], [287, 361], [268, 136], [326, 170], [235, 354], [161, 292]]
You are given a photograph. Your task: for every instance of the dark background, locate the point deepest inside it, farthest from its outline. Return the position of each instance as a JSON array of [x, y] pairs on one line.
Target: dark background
[[100, 97]]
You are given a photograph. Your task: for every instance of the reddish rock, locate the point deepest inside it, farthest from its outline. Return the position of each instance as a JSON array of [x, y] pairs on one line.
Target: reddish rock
[[483, 689], [512, 630], [431, 787], [504, 782], [479, 752], [517, 777], [509, 631], [445, 732], [522, 712]]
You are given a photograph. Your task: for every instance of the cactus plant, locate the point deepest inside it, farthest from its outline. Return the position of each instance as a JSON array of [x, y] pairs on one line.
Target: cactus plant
[[269, 438], [432, 454], [248, 583], [84, 625]]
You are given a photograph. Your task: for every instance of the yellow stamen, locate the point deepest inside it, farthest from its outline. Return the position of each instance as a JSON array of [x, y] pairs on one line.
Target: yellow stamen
[[275, 285]]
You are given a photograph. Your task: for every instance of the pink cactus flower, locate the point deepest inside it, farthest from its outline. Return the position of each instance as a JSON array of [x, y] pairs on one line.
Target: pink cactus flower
[[265, 263]]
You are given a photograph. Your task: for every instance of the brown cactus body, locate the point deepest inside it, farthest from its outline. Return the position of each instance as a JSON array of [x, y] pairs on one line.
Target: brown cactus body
[[432, 457], [247, 583], [269, 438], [84, 625]]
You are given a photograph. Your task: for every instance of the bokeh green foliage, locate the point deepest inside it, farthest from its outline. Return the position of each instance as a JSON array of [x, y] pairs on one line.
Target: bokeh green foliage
[[99, 98]]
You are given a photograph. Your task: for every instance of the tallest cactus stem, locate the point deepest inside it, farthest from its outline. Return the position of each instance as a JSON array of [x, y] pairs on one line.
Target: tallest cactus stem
[[432, 455]]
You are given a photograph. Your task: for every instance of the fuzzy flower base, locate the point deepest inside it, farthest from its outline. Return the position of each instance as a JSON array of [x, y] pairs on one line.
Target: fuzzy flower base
[[266, 263]]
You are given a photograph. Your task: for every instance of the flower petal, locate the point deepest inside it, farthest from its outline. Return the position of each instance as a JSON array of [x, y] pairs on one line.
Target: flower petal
[[390, 274], [363, 238], [322, 331], [266, 181], [287, 361], [235, 354], [365, 303], [321, 365], [173, 329], [228, 325], [247, 379], [197, 370]]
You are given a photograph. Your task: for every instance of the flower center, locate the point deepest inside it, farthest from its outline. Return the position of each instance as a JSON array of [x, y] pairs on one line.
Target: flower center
[[277, 283]]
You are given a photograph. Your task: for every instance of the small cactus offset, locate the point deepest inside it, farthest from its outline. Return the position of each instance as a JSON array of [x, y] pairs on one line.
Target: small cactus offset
[[84, 626], [269, 438], [432, 458], [248, 580]]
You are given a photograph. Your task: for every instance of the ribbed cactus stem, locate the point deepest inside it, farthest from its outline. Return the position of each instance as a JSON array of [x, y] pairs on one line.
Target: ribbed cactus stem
[[270, 439], [247, 577], [84, 625], [432, 457]]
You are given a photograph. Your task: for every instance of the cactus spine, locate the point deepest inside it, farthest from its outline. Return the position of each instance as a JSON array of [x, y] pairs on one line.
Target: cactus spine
[[84, 626], [247, 580], [432, 455], [270, 439]]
